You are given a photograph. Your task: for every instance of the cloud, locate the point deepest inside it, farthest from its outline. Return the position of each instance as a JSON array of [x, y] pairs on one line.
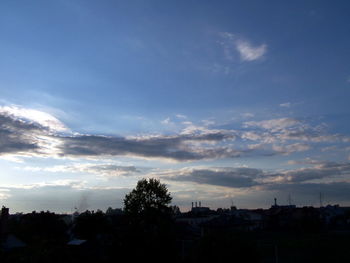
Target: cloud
[[321, 170], [245, 177], [248, 52], [285, 105], [17, 136], [291, 148], [110, 169], [273, 124], [33, 116], [228, 177], [23, 137], [166, 121], [27, 132], [176, 148], [29, 138], [289, 129], [4, 194], [107, 169]]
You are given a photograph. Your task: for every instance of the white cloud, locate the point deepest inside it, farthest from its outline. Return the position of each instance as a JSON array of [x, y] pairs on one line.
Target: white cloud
[[249, 52], [285, 105], [4, 194], [44, 119], [273, 124], [166, 121], [106, 169]]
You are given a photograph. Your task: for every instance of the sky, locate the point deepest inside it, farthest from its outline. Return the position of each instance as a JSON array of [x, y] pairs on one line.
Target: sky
[[225, 102]]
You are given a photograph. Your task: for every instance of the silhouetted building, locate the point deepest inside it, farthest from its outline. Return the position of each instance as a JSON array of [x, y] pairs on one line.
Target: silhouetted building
[[275, 205], [3, 221], [199, 209]]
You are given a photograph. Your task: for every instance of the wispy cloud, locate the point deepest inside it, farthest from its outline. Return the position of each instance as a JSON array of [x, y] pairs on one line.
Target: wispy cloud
[[166, 121], [285, 105], [102, 169], [273, 124], [246, 50]]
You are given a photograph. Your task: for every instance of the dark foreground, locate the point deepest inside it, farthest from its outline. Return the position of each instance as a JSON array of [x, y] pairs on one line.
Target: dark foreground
[[113, 237]]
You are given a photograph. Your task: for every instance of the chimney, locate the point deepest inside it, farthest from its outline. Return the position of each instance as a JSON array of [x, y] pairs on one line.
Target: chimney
[[199, 203], [275, 201], [3, 220], [196, 204], [192, 204]]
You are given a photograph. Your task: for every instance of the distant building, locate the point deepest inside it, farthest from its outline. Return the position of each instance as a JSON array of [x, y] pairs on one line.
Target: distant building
[[4, 216], [199, 209], [275, 205]]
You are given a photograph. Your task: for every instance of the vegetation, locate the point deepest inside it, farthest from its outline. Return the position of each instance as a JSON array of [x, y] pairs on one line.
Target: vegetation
[[149, 197]]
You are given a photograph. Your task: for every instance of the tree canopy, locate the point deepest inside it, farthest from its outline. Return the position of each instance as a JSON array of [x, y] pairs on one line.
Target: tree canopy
[[149, 196]]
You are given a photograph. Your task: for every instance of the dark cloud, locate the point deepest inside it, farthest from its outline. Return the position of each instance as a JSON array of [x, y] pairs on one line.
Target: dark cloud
[[25, 137], [320, 171], [171, 147], [18, 136], [232, 177], [249, 177]]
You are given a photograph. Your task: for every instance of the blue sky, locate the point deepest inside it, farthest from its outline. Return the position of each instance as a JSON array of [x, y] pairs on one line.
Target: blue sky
[[230, 101]]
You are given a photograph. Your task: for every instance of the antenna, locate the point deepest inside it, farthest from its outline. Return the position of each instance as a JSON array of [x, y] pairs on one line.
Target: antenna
[[321, 199], [289, 199]]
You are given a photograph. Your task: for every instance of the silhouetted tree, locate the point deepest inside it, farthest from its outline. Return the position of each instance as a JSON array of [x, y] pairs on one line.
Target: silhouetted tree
[[150, 216], [150, 197]]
